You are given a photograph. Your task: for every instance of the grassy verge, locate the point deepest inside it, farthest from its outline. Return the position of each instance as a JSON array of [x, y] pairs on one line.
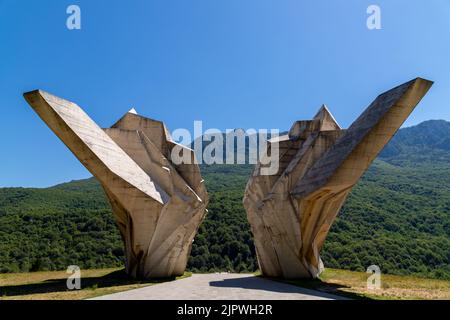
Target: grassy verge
[[353, 285], [98, 282], [52, 285]]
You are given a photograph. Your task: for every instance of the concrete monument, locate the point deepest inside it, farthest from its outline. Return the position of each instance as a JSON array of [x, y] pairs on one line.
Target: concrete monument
[[157, 205], [291, 212]]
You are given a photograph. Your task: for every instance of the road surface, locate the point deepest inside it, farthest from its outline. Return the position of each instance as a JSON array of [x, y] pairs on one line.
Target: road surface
[[220, 286]]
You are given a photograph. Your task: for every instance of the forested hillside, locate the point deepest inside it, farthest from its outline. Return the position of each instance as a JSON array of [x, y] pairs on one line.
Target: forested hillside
[[397, 217]]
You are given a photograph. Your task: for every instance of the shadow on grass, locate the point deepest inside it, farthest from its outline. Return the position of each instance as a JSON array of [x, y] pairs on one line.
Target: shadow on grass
[[319, 285], [113, 279]]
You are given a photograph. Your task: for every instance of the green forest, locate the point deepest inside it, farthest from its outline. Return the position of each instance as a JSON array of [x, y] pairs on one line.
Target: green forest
[[397, 217]]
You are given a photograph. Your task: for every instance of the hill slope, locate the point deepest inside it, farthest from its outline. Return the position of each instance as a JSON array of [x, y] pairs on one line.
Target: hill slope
[[397, 217]]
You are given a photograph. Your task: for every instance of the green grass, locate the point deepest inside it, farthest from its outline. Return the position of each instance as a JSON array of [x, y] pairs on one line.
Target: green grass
[[51, 285]]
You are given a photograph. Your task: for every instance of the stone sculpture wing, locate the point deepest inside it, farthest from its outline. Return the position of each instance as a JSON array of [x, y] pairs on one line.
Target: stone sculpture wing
[[90, 144], [352, 154]]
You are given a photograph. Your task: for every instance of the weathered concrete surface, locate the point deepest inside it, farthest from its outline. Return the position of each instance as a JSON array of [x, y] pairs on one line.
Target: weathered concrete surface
[[220, 286], [292, 211], [157, 205]]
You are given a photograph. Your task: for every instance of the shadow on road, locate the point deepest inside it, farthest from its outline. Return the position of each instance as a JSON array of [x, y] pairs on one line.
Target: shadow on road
[[316, 288]]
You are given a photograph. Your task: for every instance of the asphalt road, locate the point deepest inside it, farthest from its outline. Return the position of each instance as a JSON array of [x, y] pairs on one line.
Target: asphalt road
[[220, 286]]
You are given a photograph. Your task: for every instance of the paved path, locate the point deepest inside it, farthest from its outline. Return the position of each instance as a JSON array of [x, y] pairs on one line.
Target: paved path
[[220, 286]]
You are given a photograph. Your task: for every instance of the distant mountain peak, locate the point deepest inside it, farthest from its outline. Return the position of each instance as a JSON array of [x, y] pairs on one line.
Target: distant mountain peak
[[423, 138]]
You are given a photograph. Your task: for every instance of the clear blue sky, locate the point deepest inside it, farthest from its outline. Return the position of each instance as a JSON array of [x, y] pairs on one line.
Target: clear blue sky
[[231, 63]]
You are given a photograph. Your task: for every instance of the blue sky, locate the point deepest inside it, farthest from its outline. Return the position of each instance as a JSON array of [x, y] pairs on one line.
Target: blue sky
[[230, 63]]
